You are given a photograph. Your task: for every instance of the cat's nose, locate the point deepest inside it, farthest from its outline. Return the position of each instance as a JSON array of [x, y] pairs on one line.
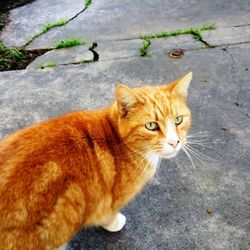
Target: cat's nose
[[173, 143]]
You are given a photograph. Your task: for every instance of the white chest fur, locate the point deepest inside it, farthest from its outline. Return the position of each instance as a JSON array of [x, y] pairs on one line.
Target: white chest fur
[[153, 159]]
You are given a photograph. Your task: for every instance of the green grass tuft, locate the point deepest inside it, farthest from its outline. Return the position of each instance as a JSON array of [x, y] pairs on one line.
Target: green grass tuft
[[69, 43], [2, 47], [15, 53], [49, 64], [9, 56], [66, 43], [46, 27], [87, 3], [144, 49], [196, 32]]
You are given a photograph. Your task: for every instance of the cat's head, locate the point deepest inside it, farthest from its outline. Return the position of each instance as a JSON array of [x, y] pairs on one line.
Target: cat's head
[[154, 120]]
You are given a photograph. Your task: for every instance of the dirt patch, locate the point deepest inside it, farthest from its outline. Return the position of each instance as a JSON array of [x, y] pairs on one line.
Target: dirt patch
[[18, 59], [3, 20]]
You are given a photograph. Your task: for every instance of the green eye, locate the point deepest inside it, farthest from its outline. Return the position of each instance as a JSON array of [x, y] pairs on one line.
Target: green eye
[[153, 126], [178, 120]]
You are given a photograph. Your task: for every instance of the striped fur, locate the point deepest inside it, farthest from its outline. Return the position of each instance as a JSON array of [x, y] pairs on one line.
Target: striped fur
[[80, 169]]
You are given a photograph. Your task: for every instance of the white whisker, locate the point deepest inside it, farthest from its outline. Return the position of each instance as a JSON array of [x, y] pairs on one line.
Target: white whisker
[[199, 144], [198, 135], [195, 155], [199, 153], [189, 156]]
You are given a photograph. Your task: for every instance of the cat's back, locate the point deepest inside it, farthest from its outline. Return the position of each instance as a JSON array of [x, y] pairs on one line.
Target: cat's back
[[53, 140], [48, 135], [42, 168]]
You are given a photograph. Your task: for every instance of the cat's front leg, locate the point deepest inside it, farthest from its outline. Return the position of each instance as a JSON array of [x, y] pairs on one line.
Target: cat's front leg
[[116, 223]]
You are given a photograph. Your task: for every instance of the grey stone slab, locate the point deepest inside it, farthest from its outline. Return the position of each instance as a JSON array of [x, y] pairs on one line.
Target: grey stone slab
[[229, 35], [106, 51], [118, 49], [74, 54], [185, 42], [171, 211], [27, 20], [122, 19]]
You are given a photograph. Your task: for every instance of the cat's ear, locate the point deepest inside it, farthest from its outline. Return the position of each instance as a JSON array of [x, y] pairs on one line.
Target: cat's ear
[[126, 98], [181, 86]]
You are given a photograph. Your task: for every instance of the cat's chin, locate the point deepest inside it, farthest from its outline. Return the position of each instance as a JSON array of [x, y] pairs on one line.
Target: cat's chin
[[168, 156]]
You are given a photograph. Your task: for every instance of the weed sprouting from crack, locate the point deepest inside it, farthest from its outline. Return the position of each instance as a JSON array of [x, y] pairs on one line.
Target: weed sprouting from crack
[[8, 56], [66, 43], [144, 49], [17, 58], [46, 27], [49, 26], [69, 43], [196, 32], [87, 3], [49, 64]]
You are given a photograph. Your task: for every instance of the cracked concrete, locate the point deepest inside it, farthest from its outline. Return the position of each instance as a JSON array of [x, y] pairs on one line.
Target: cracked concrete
[[64, 56], [27, 20], [227, 35], [241, 76], [114, 46], [171, 212]]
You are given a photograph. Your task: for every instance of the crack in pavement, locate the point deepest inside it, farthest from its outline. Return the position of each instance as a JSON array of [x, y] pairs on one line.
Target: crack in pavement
[[233, 72], [68, 21], [240, 25], [77, 14], [208, 45], [218, 46], [91, 49], [246, 114]]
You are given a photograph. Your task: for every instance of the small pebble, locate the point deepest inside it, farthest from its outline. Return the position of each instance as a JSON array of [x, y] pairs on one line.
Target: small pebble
[[224, 129], [209, 210]]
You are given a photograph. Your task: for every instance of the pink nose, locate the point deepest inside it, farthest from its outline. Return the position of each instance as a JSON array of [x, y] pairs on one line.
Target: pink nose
[[173, 143]]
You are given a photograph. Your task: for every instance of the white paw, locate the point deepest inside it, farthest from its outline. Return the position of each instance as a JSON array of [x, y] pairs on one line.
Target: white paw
[[116, 224], [62, 247]]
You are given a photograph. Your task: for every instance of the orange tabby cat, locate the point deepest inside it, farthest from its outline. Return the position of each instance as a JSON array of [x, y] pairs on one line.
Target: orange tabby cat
[[80, 169]]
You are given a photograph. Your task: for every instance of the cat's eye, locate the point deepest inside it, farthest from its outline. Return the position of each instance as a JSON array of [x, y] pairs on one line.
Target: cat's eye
[[178, 120], [153, 126]]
